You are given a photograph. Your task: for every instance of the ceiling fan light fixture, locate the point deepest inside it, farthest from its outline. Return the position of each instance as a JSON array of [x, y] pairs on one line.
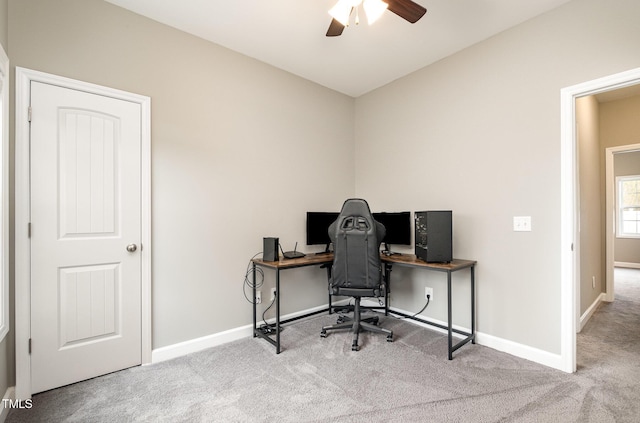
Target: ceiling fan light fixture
[[374, 9], [342, 10]]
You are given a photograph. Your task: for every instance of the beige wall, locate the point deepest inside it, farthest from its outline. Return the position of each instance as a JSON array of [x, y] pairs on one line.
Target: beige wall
[[592, 251], [479, 133], [240, 151]]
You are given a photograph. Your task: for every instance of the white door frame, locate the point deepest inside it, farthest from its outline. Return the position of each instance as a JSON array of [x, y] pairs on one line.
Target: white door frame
[[569, 259], [24, 77]]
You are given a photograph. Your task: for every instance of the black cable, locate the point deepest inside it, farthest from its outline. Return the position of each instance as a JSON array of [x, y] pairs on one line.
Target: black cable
[[266, 326], [411, 317], [248, 281]]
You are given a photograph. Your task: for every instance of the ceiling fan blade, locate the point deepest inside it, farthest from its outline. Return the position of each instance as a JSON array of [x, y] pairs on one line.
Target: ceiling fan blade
[[406, 9], [335, 28]]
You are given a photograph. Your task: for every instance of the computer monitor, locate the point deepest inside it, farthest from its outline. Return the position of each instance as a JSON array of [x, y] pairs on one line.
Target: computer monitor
[[318, 227], [398, 228]]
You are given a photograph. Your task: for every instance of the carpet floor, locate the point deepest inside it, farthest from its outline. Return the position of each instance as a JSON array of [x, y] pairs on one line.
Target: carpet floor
[[409, 380]]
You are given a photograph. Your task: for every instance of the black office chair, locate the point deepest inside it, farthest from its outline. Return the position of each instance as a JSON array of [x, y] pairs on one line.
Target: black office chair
[[356, 270]]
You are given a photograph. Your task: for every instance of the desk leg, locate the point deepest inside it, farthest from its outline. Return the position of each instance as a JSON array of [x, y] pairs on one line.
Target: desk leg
[[387, 290], [328, 289], [449, 314], [278, 311], [473, 305], [254, 301]]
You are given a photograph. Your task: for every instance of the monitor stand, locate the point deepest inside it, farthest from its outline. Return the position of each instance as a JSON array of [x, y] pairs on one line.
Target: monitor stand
[[387, 250]]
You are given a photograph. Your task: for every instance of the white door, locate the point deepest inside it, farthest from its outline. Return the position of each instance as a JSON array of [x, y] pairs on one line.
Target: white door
[[85, 235]]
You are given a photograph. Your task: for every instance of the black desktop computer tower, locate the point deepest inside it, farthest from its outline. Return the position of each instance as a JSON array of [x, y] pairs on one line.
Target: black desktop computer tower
[[270, 249], [434, 236]]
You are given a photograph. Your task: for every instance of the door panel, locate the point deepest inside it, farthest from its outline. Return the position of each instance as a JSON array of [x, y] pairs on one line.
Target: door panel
[[88, 184], [85, 210]]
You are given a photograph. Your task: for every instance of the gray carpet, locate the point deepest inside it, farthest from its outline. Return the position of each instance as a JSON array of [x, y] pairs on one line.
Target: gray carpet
[[409, 380]]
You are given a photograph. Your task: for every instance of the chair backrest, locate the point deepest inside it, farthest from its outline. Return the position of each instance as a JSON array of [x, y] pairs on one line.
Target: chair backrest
[[356, 238]]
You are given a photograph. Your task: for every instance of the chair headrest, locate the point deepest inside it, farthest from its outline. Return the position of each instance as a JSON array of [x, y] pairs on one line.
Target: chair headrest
[[355, 207]]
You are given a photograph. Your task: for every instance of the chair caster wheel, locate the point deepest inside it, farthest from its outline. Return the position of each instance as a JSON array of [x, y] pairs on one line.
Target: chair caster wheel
[[323, 334], [389, 338], [355, 347], [340, 320]]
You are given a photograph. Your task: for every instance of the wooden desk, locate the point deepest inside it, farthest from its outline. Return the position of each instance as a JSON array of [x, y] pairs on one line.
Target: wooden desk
[[410, 260], [320, 259], [326, 259]]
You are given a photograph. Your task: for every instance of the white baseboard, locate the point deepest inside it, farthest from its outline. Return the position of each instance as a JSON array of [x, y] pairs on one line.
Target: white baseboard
[[589, 312], [209, 341], [518, 350], [10, 394], [199, 344], [628, 265]]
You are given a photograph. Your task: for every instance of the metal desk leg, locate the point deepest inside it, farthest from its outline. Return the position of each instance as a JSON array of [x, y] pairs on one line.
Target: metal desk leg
[[387, 282], [449, 314], [278, 311], [473, 305], [329, 290], [254, 301]]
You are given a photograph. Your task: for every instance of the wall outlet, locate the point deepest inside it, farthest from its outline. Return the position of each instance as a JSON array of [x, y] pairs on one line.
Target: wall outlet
[[258, 297], [273, 294], [428, 292], [522, 223]]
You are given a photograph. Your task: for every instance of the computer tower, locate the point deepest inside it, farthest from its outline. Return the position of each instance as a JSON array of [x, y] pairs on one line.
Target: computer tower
[[270, 249], [434, 236]]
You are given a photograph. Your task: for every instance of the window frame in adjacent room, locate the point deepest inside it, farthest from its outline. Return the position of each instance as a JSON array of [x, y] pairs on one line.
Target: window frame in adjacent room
[[621, 232]]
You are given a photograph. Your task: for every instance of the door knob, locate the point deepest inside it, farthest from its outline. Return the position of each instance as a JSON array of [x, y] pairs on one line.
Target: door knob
[[132, 247]]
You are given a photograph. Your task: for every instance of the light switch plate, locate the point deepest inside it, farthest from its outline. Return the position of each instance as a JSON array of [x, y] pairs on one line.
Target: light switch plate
[[522, 223]]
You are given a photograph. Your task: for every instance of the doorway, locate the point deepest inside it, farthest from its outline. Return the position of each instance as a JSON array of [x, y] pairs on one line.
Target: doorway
[[569, 251], [610, 232], [69, 278]]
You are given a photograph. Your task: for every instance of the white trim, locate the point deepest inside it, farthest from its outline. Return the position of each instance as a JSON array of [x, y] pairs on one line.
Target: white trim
[[536, 355], [198, 344], [194, 345], [4, 184], [10, 394], [24, 77], [569, 259], [519, 350], [584, 319], [626, 265]]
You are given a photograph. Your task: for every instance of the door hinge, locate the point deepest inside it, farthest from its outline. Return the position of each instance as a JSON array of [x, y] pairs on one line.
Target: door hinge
[[29, 114], [29, 345], [29, 229]]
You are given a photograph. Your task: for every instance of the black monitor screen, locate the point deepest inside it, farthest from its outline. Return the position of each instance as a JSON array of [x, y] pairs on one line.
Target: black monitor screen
[[398, 226], [318, 227]]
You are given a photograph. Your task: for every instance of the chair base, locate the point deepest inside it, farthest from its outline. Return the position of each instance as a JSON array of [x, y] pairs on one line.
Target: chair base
[[357, 325]]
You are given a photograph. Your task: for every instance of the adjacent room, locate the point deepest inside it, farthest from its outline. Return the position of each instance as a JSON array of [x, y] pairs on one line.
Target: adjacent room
[[250, 115]]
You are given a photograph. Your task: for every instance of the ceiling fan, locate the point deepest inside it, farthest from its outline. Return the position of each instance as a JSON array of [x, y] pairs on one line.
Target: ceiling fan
[[341, 12]]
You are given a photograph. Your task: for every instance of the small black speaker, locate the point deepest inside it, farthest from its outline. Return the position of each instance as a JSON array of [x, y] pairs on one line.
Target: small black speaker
[[270, 249], [434, 236]]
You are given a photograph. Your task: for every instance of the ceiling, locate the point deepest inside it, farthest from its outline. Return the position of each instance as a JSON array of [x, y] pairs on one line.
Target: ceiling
[[290, 34]]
